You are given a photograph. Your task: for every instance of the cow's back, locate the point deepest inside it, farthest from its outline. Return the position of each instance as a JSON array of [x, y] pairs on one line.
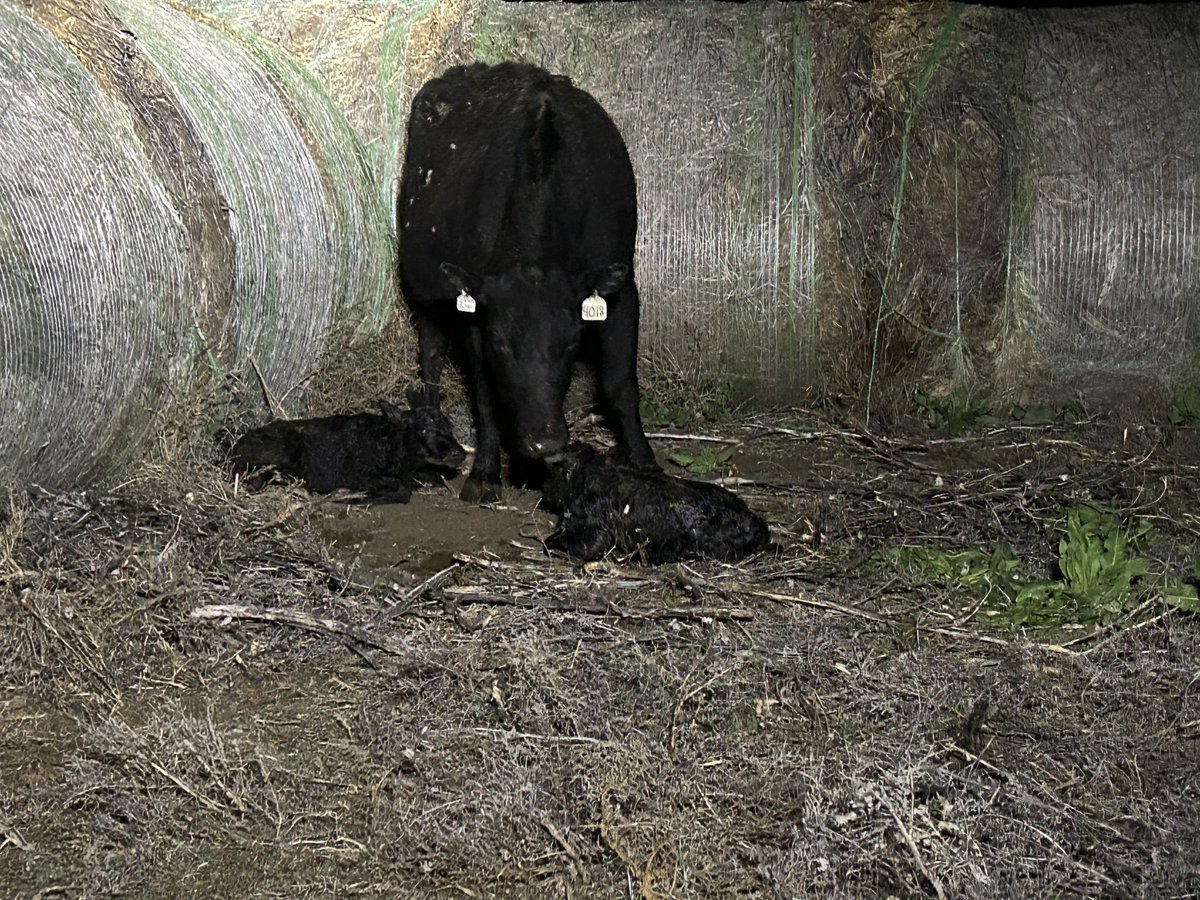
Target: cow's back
[[508, 165]]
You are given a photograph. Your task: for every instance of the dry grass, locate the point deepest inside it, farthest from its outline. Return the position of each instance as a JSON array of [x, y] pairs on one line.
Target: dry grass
[[199, 697]]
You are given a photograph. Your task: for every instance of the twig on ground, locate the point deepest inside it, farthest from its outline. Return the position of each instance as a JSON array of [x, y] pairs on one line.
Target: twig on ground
[[609, 608], [10, 837], [404, 604], [1113, 630], [561, 840], [548, 738], [225, 613], [916, 853], [710, 438], [829, 606]]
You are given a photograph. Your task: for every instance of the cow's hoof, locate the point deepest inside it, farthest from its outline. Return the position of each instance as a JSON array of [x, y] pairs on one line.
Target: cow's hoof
[[476, 490]]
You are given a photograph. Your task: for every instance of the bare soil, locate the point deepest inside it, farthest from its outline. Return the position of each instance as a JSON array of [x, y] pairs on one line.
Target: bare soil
[[205, 693]]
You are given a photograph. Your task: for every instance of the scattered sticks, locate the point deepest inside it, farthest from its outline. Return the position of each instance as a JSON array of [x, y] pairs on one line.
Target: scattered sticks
[[468, 594], [226, 613]]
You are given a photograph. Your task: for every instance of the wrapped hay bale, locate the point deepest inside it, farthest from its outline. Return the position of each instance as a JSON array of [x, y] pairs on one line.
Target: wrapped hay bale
[[308, 240], [715, 103], [179, 203], [1105, 252], [92, 269], [370, 56]]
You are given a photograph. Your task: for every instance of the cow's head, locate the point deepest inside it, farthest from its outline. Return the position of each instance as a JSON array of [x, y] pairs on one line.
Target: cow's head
[[529, 324]]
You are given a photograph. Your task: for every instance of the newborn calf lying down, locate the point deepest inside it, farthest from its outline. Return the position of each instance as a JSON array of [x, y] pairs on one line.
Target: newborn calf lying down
[[384, 456], [607, 505]]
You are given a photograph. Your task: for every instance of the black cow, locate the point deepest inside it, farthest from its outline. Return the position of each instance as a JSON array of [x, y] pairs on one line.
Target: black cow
[[517, 205], [608, 505], [383, 456]]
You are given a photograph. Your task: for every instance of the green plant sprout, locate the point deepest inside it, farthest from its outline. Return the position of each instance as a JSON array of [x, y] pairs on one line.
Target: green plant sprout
[[954, 412], [703, 461], [1185, 410], [1098, 564]]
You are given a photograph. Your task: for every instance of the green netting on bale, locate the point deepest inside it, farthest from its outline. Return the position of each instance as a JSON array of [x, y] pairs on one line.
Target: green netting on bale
[[287, 269], [370, 56], [715, 104], [1105, 271], [175, 200], [93, 336], [362, 261]]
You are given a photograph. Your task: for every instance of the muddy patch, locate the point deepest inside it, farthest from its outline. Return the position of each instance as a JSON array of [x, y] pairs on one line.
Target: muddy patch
[[408, 540]]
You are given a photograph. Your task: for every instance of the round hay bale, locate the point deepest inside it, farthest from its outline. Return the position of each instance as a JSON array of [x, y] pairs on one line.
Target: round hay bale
[[370, 57], [182, 202], [92, 270], [296, 241], [1105, 271]]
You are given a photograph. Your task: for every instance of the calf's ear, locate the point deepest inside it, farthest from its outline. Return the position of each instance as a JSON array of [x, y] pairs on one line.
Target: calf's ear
[[460, 278], [391, 412], [605, 280]]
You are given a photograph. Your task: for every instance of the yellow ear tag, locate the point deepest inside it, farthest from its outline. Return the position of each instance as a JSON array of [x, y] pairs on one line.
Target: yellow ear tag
[[595, 309], [465, 302]]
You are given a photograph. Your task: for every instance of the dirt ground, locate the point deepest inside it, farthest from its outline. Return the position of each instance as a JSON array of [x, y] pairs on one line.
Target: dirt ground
[[209, 693]]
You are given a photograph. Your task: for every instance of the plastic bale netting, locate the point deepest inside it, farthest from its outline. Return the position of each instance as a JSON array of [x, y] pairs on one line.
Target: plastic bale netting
[[716, 106], [91, 270], [370, 56], [1105, 247], [304, 249], [364, 294], [175, 221]]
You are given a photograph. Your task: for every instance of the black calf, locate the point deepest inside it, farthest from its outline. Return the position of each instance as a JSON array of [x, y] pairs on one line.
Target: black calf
[[607, 505], [383, 456]]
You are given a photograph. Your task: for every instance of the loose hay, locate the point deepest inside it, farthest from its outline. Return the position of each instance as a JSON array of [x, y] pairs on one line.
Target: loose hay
[[198, 698], [1105, 147], [181, 206]]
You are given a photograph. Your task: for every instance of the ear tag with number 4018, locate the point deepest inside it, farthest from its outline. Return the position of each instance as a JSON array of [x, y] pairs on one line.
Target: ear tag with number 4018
[[595, 309], [465, 302]]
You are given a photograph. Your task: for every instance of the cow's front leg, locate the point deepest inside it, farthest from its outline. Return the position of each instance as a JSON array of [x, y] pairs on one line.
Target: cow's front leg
[[483, 484], [432, 348], [618, 377]]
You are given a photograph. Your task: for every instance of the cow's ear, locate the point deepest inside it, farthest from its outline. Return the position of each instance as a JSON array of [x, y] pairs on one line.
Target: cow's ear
[[462, 280], [605, 280]]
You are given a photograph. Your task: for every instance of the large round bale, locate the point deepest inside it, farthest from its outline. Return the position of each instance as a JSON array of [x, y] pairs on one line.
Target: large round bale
[[307, 243], [93, 269], [370, 56], [1105, 265], [183, 203]]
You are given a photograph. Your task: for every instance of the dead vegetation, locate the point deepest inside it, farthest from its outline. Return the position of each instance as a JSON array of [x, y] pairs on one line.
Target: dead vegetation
[[200, 697]]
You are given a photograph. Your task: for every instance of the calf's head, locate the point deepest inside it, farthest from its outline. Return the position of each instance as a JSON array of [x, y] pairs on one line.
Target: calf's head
[[530, 326], [427, 436]]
